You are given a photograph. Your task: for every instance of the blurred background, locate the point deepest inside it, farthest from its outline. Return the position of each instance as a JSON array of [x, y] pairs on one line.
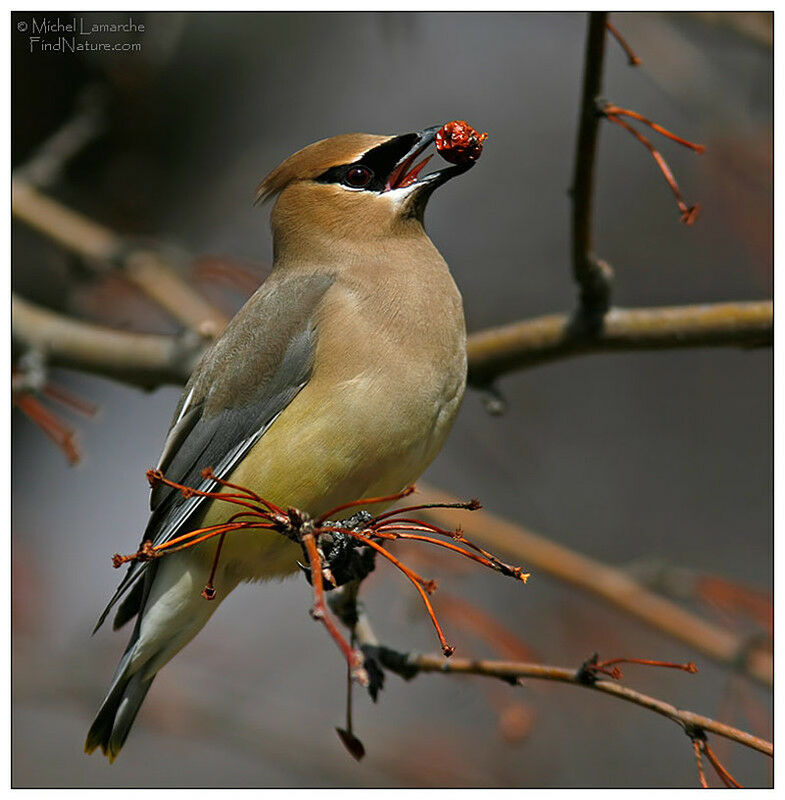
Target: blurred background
[[638, 460]]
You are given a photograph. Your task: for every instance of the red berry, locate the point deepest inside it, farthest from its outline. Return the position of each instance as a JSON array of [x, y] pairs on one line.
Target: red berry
[[459, 143]]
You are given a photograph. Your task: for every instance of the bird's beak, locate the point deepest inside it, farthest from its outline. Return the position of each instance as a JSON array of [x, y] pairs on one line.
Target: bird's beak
[[402, 168]]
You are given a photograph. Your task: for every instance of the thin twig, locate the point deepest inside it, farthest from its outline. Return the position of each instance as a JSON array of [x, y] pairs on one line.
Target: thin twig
[[49, 160], [613, 585], [618, 111], [688, 213], [631, 57], [651, 662], [392, 534], [424, 588], [615, 672], [69, 399], [696, 746], [725, 776], [514, 670], [50, 424], [29, 383]]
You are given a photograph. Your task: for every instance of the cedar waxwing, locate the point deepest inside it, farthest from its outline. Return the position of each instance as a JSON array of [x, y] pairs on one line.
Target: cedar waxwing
[[339, 379]]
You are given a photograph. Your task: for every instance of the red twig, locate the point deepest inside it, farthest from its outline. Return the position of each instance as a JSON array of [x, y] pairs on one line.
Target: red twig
[[696, 746], [354, 658], [26, 399], [244, 492], [688, 213], [275, 513], [467, 505], [725, 776], [499, 566], [209, 590], [391, 522], [50, 424], [394, 535], [616, 673], [191, 538], [424, 586], [260, 514], [69, 399], [633, 59], [368, 501], [618, 111]]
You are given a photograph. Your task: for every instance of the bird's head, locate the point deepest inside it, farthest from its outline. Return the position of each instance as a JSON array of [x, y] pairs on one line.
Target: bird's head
[[355, 186]]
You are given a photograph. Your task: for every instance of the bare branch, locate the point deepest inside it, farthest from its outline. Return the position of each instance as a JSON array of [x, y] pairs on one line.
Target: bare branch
[[144, 267], [145, 360], [495, 351], [70, 229], [515, 670], [539, 553], [148, 270], [592, 275], [151, 360], [48, 161]]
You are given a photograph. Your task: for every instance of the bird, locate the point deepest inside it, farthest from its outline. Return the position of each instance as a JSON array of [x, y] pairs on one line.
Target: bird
[[339, 379]]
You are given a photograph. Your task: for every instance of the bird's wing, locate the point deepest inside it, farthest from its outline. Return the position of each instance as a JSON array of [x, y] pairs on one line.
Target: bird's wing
[[238, 389]]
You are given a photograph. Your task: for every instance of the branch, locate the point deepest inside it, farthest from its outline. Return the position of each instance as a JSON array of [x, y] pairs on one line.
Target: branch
[[592, 275], [692, 723], [151, 360], [142, 266], [523, 344], [540, 554], [146, 360], [47, 163]]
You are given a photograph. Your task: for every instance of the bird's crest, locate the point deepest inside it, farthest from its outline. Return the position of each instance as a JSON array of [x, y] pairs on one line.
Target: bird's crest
[[316, 158]]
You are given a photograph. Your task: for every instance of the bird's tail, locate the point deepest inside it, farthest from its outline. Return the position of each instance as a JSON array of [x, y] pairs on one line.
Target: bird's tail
[[129, 687], [170, 612], [118, 711]]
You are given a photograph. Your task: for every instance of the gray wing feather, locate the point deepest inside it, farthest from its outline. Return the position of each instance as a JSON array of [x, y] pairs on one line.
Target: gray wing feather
[[238, 390]]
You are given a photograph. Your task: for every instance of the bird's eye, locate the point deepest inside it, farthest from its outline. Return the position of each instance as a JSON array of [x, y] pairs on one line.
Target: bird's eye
[[358, 177]]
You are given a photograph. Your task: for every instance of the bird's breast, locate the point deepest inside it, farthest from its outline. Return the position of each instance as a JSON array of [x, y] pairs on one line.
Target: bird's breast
[[394, 361], [388, 377]]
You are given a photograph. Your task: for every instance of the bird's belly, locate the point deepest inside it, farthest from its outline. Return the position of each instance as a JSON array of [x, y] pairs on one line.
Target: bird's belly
[[329, 448]]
